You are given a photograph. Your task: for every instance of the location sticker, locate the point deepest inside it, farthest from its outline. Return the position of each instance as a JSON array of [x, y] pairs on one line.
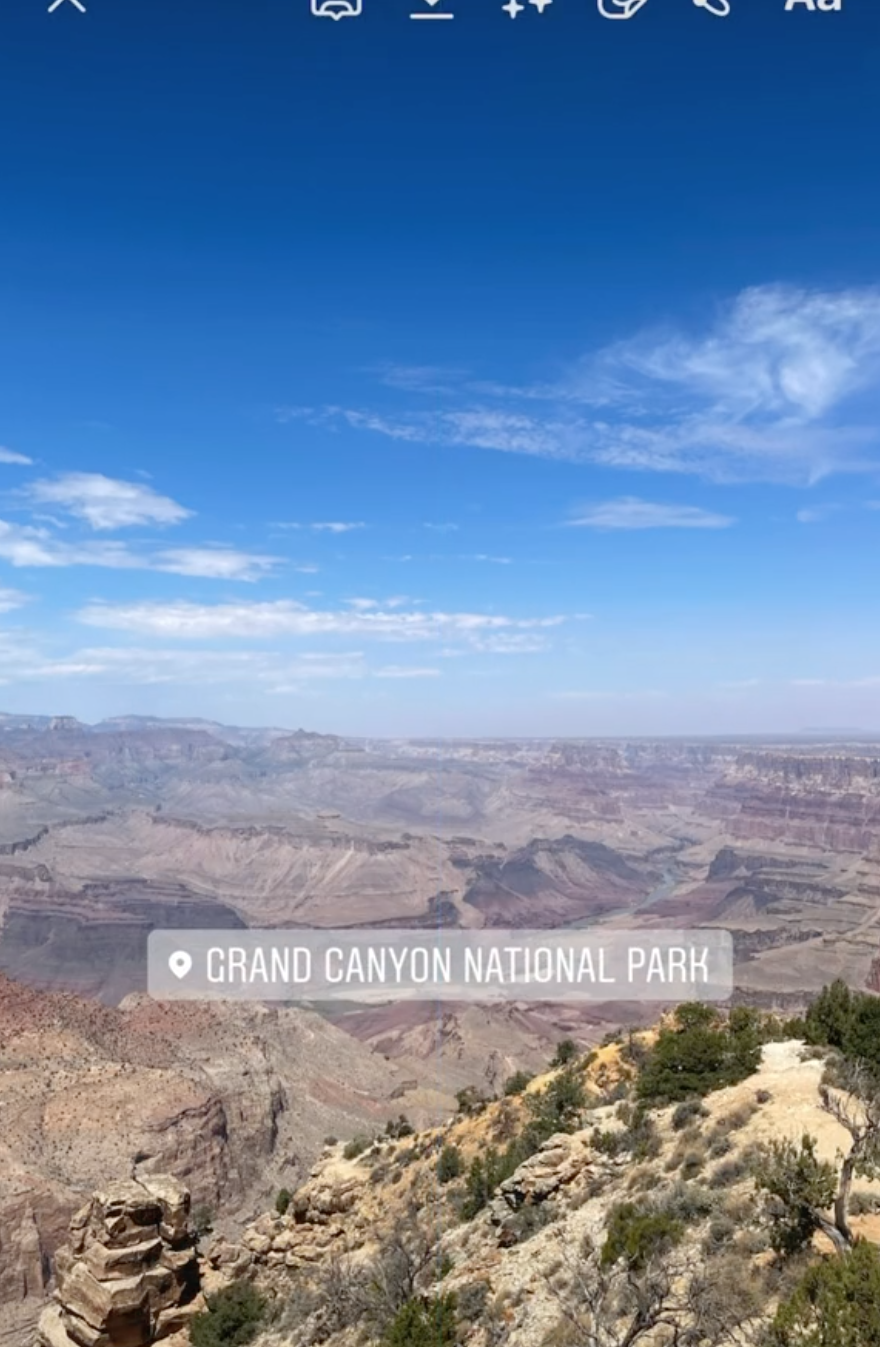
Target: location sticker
[[180, 963]]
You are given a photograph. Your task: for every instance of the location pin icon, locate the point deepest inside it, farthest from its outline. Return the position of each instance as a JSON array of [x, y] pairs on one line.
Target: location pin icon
[[180, 963]]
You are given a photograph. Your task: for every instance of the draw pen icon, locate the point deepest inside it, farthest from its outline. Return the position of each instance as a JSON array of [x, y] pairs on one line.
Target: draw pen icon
[[619, 9]]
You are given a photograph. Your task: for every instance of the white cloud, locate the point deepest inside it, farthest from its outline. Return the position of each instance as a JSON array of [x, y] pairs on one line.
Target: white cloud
[[215, 563], [420, 378], [11, 599], [328, 526], [106, 502], [510, 643], [285, 617], [336, 526], [628, 512], [405, 671], [10, 456], [148, 666], [774, 388], [815, 514], [273, 673], [27, 546]]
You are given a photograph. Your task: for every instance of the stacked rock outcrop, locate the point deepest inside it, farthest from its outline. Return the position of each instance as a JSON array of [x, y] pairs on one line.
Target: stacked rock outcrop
[[129, 1276], [324, 1217]]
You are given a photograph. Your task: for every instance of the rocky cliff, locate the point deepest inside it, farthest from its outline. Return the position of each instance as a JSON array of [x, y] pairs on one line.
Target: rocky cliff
[[129, 1275], [829, 801], [233, 1100], [520, 1267]]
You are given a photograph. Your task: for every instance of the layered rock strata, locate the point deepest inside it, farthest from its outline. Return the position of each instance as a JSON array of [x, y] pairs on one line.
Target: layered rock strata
[[129, 1276]]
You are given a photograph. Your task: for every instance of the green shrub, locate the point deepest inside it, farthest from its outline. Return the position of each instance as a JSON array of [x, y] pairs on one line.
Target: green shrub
[[470, 1101], [443, 1267], [484, 1175], [203, 1221], [636, 1234], [689, 1155], [449, 1164], [836, 1304], [609, 1142], [863, 1204], [688, 1112], [566, 1051], [399, 1128], [733, 1121], [473, 1298], [699, 1053], [556, 1108], [231, 1319], [356, 1147], [423, 1322], [517, 1083], [642, 1136], [721, 1231], [799, 1185], [848, 1021], [687, 1203], [692, 1163], [730, 1172], [283, 1201]]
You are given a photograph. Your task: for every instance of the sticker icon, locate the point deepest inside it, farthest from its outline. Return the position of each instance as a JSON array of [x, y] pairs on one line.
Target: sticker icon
[[337, 9], [620, 9], [180, 963]]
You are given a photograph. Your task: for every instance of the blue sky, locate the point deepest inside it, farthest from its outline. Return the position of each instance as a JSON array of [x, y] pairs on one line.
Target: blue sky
[[501, 376]]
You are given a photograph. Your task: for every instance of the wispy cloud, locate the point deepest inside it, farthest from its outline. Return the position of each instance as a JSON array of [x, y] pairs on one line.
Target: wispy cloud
[[106, 503], [215, 563], [775, 387], [285, 617], [816, 514], [396, 601], [421, 378], [10, 599], [143, 665], [10, 456], [23, 660], [406, 671], [328, 526], [628, 512], [28, 546]]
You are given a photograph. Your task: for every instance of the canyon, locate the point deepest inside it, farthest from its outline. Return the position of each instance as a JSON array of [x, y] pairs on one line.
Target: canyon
[[110, 831]]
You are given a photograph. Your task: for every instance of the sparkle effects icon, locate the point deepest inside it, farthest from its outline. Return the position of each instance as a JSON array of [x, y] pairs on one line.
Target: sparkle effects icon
[[619, 9], [180, 963], [720, 8], [337, 9], [540, 5], [513, 7]]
